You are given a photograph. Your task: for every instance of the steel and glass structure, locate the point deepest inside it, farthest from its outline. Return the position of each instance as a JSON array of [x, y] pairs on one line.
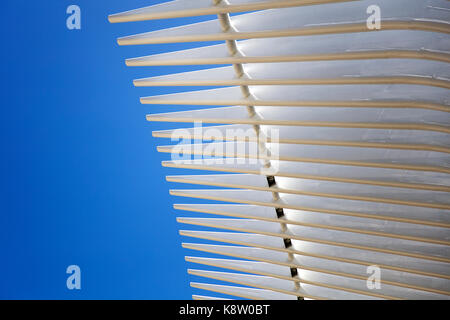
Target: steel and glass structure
[[329, 137]]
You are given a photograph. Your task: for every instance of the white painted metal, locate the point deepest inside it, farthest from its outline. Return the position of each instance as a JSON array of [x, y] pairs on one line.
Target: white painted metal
[[263, 24], [432, 73], [358, 173], [329, 254], [187, 8], [411, 179], [249, 293], [398, 95], [419, 249], [380, 157], [372, 45], [419, 198], [394, 139], [348, 270]]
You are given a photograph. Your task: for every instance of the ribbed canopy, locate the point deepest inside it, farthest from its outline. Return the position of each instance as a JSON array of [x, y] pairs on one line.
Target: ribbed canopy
[[328, 143]]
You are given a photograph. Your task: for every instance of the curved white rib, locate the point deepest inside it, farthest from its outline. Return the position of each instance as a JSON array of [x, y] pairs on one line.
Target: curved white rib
[[392, 139], [373, 45], [249, 293], [430, 73], [189, 8], [358, 156], [388, 96], [429, 15], [418, 198], [410, 179]]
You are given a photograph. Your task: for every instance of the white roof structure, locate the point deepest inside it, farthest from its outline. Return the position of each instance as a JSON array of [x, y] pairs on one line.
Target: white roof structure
[[328, 140]]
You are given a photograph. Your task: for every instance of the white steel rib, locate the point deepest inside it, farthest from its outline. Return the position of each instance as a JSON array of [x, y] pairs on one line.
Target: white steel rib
[[431, 15], [323, 128], [379, 71], [188, 8], [375, 45], [369, 138]]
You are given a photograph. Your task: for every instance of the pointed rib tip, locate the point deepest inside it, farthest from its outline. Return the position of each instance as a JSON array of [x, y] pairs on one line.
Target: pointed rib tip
[[111, 18], [186, 245], [165, 149], [139, 82], [122, 41], [125, 41], [129, 62], [181, 233], [159, 134], [180, 219], [165, 163], [178, 206]]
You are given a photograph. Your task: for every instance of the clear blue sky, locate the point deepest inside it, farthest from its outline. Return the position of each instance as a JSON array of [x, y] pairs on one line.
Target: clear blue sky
[[81, 181]]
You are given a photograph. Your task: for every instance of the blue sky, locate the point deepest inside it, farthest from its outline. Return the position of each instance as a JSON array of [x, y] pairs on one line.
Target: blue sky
[[81, 181]]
